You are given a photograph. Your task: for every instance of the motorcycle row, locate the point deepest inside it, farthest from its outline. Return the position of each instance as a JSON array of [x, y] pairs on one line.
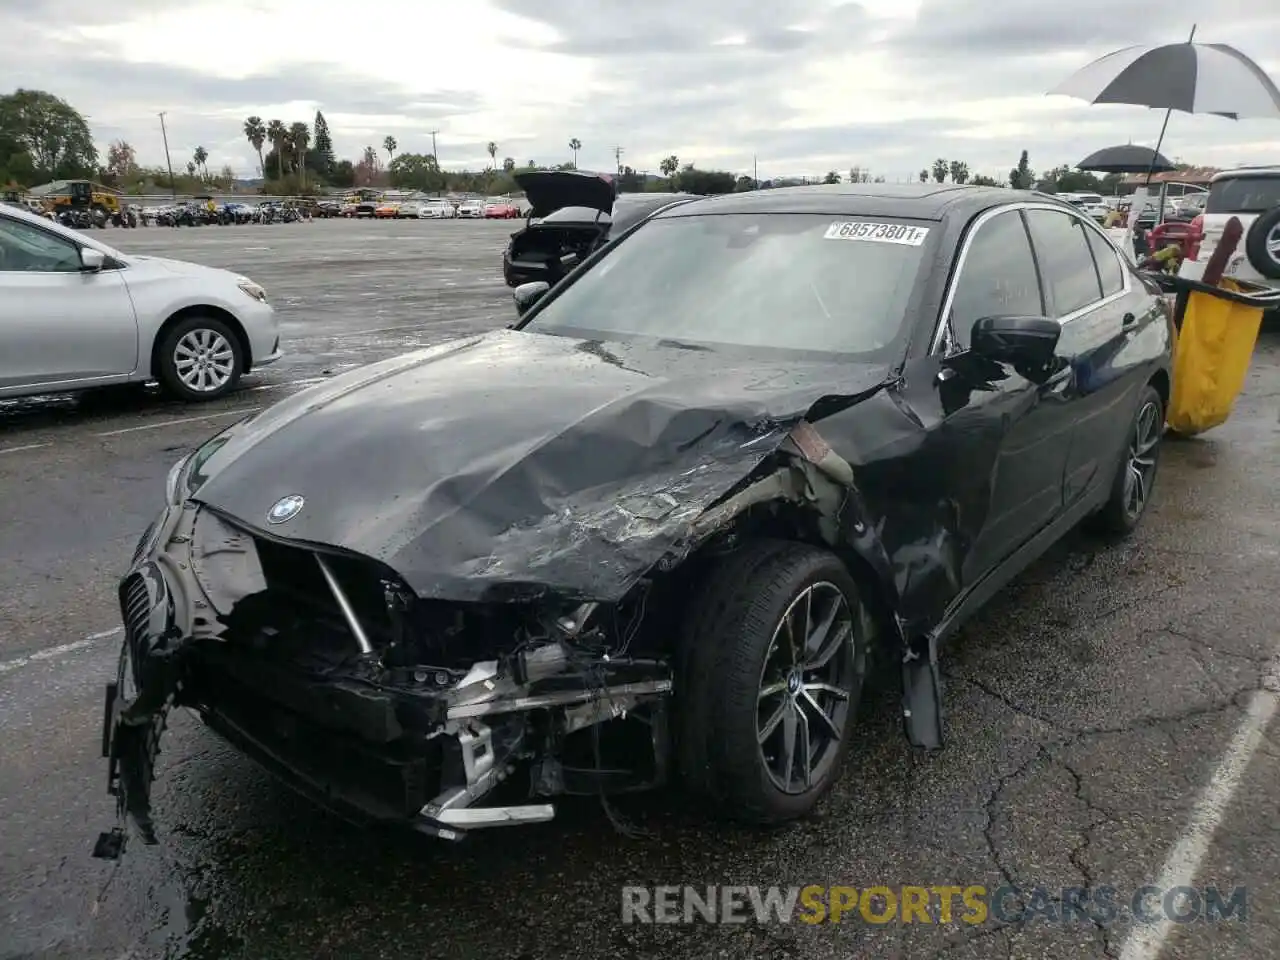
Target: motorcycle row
[[195, 215], [95, 217]]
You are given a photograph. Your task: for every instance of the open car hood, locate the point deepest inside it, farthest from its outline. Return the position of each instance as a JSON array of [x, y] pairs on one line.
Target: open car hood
[[549, 190], [505, 466]]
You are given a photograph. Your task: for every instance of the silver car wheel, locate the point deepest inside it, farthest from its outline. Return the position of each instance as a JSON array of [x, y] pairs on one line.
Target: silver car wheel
[[204, 360], [805, 689]]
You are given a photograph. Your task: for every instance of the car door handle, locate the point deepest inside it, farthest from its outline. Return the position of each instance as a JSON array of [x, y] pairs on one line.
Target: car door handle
[[1129, 320]]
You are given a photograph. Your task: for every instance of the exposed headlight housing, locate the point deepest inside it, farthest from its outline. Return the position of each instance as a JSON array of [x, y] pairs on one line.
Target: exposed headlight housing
[[251, 289]]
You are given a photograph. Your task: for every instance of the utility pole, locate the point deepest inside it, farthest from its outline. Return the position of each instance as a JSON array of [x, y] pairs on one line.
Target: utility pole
[[173, 187], [755, 171], [617, 156], [433, 146]]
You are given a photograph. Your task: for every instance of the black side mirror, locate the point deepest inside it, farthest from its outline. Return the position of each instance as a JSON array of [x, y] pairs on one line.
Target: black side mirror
[[1020, 340], [527, 294]]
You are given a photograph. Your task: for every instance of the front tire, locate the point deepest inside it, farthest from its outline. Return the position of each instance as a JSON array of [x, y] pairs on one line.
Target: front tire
[[200, 359], [1136, 473], [772, 665]]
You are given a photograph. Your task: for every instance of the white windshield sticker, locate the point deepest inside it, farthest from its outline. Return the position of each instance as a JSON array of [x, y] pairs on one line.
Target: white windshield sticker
[[877, 232]]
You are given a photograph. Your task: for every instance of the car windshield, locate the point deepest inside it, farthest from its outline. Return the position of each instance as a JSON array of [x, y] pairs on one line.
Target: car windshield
[[1244, 195], [806, 283]]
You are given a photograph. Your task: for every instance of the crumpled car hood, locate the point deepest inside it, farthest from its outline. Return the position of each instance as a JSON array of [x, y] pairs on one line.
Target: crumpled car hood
[[511, 464]]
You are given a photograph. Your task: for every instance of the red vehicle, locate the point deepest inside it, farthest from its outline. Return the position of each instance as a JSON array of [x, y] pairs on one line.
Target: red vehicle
[[502, 210]]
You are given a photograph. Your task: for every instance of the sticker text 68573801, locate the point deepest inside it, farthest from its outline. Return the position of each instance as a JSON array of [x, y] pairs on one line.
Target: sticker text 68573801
[[877, 232]]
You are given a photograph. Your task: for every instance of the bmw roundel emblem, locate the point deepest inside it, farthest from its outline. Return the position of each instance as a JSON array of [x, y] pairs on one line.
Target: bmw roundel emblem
[[286, 508]]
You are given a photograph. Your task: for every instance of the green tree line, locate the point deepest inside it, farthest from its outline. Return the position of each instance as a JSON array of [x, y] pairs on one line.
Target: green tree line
[[43, 138]]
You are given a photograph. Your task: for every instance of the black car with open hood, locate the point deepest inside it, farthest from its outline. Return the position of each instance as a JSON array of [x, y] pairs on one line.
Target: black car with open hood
[[549, 190], [652, 531], [572, 214]]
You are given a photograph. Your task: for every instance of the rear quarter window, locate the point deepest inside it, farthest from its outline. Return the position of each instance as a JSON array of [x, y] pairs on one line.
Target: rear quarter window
[[1244, 195]]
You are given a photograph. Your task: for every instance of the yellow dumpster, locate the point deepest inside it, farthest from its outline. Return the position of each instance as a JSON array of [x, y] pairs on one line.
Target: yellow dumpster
[[1216, 336]]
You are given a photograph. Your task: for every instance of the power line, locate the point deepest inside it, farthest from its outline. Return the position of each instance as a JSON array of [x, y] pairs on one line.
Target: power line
[[173, 187]]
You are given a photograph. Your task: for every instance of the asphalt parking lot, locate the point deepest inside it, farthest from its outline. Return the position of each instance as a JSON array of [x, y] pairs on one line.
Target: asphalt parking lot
[[1110, 714]]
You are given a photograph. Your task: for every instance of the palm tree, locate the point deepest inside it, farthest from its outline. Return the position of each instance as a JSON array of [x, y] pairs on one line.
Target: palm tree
[[575, 145], [200, 156], [669, 165], [508, 164], [255, 131], [277, 134], [299, 138], [493, 152], [390, 145]]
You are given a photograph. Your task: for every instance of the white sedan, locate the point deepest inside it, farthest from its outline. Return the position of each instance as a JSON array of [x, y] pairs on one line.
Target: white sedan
[[438, 210], [472, 209], [77, 314]]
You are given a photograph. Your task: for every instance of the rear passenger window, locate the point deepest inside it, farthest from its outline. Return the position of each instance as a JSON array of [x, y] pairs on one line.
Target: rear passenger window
[[998, 277], [1109, 269], [1066, 262]]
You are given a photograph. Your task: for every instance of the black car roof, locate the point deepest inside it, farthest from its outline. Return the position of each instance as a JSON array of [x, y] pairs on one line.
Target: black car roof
[[919, 201]]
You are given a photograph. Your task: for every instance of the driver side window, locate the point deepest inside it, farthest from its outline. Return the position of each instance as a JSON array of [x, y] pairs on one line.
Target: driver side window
[[997, 279], [28, 249]]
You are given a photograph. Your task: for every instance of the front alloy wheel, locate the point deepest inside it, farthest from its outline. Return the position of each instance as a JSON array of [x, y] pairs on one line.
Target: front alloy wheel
[[204, 360], [200, 359], [805, 688], [769, 679]]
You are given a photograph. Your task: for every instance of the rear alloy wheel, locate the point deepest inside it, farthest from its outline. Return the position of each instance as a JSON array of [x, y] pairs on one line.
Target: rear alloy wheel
[[1136, 475], [772, 668], [200, 359]]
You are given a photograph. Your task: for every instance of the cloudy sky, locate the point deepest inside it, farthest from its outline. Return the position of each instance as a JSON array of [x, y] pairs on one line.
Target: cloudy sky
[[804, 85]]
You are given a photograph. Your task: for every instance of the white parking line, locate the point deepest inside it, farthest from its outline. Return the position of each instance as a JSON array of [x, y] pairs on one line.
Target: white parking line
[[240, 411], [304, 382], [7, 666], [1184, 860], [29, 446]]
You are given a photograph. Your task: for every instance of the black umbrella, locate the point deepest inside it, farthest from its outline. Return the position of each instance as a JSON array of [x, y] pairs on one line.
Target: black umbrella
[[1129, 158], [1190, 77]]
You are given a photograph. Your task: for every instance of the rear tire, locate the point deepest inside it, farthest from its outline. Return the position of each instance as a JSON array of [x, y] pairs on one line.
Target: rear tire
[[1259, 241], [200, 359], [747, 700], [1135, 476]]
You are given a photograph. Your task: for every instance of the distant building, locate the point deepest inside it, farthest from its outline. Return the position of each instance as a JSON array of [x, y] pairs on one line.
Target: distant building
[[1179, 180]]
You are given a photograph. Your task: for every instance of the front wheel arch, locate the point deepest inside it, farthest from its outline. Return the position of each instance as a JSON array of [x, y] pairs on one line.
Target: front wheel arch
[[218, 313]]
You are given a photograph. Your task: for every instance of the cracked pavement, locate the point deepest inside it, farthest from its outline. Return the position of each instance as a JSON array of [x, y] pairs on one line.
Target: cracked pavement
[[1088, 706]]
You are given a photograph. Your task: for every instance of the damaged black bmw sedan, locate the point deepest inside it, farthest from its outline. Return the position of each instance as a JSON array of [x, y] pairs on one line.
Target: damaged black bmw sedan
[[651, 531]]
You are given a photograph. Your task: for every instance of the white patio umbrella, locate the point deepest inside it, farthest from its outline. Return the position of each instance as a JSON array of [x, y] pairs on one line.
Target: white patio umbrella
[[1189, 77]]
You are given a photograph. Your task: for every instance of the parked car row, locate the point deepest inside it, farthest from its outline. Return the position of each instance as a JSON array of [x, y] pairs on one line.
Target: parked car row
[[429, 209]]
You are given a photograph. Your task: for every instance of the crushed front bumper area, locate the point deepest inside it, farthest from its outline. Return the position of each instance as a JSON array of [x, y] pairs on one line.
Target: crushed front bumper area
[[443, 749]]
